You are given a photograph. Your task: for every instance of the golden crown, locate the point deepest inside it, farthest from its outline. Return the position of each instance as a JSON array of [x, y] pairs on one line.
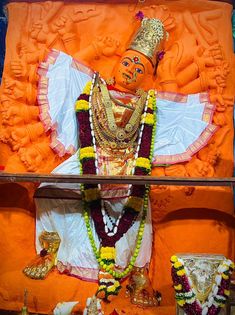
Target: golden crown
[[149, 38]]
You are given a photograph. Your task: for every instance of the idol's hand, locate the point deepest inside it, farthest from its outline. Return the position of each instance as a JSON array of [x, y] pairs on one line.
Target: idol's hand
[[106, 46], [210, 57], [79, 13], [12, 116], [20, 138], [35, 29], [215, 78], [13, 88], [39, 31], [162, 13], [217, 53], [64, 25], [18, 68], [222, 101], [5, 135], [31, 158]]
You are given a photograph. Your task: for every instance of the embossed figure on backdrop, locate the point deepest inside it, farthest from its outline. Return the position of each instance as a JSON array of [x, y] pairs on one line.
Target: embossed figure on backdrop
[[109, 127]]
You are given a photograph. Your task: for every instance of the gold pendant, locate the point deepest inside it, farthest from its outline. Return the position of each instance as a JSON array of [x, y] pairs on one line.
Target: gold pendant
[[113, 145], [120, 134], [128, 128]]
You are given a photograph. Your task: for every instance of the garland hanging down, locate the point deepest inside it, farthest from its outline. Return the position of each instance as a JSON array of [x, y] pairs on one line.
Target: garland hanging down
[[138, 196], [186, 296]]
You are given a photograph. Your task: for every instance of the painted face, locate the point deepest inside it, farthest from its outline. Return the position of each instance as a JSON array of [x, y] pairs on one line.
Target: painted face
[[130, 71]]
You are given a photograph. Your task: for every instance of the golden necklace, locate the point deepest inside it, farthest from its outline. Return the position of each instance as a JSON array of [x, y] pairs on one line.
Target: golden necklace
[[108, 135]]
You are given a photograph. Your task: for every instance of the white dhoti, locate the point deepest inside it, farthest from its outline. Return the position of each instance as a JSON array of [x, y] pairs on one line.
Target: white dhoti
[[64, 216]]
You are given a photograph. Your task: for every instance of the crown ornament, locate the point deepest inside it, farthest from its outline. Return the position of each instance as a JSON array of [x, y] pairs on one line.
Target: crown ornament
[[149, 38]]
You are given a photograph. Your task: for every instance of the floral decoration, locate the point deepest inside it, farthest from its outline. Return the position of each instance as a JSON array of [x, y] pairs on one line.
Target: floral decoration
[[160, 55], [139, 15], [186, 296], [137, 200]]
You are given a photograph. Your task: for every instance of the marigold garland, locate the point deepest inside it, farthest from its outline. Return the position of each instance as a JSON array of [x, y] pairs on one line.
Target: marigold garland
[[81, 105], [143, 163], [148, 119], [87, 153], [138, 198]]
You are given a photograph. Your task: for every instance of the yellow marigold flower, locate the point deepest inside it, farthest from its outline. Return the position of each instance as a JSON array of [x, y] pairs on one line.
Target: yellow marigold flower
[[224, 276], [178, 287], [181, 302], [81, 105], [227, 292], [148, 119], [107, 256], [107, 249], [87, 88], [150, 103], [135, 202], [232, 265], [86, 156], [102, 287], [151, 93], [180, 272], [143, 162], [177, 264], [86, 149], [174, 258], [91, 194], [87, 152], [111, 288], [107, 252]]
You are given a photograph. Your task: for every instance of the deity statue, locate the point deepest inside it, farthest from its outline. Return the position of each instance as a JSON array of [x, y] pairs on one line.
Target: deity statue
[[104, 232]]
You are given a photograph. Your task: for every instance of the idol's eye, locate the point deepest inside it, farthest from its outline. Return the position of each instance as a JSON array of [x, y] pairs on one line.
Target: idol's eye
[[125, 63], [139, 70]]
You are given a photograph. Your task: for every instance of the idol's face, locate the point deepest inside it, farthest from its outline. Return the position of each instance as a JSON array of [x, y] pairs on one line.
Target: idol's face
[[131, 70]]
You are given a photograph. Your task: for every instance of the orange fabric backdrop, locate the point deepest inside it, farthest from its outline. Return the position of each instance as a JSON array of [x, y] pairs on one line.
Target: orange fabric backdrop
[[199, 56]]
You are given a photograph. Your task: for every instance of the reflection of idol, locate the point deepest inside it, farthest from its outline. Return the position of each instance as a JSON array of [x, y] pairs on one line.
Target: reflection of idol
[[117, 135], [202, 274]]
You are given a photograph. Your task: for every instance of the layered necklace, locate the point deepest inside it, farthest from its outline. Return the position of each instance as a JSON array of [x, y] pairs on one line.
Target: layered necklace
[[140, 127], [109, 136]]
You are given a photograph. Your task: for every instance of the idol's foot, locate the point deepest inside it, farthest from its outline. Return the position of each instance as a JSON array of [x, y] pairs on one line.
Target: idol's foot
[[40, 267], [144, 298], [140, 289]]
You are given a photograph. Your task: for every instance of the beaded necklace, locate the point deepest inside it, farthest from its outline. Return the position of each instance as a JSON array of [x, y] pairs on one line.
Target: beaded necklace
[[138, 197]]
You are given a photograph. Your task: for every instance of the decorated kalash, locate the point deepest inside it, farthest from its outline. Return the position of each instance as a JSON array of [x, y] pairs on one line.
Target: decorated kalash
[[117, 128]]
